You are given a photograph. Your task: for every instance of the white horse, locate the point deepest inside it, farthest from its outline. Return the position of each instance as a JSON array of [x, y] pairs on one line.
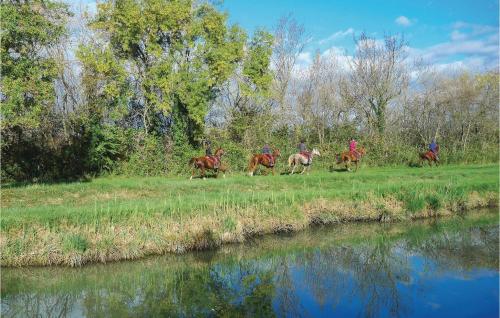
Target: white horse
[[298, 158]]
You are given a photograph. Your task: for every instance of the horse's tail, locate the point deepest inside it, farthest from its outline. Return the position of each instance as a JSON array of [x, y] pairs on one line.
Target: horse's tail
[[192, 161], [252, 163], [291, 160], [339, 158]]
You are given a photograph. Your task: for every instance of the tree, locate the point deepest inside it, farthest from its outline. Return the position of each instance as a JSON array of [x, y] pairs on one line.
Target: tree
[[176, 55], [29, 28], [377, 75], [289, 42]]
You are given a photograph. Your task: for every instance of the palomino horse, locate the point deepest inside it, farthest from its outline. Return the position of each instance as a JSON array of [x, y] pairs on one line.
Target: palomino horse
[[208, 162], [347, 157], [302, 159], [267, 160], [430, 157]]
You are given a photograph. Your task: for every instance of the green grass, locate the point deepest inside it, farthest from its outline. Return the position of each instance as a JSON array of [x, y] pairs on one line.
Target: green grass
[[169, 213]]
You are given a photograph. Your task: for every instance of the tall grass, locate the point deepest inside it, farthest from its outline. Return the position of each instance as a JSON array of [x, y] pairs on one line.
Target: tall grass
[[117, 217]]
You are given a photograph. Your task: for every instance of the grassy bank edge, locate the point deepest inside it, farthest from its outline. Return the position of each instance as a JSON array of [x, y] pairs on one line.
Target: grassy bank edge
[[72, 245]]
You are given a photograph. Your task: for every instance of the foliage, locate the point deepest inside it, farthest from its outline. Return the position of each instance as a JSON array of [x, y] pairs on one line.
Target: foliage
[[178, 53], [107, 147], [29, 29], [155, 78]]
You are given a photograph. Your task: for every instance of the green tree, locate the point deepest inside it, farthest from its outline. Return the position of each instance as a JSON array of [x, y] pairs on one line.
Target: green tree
[[250, 97], [176, 54], [28, 29]]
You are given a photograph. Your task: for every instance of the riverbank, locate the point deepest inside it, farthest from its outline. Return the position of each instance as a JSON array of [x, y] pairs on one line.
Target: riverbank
[[238, 279], [114, 218]]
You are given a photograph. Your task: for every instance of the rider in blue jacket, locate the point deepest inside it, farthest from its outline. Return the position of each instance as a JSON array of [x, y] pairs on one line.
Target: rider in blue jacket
[[434, 148]]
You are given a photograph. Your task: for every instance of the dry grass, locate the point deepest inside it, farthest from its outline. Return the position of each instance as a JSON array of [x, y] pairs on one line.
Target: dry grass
[[233, 212]]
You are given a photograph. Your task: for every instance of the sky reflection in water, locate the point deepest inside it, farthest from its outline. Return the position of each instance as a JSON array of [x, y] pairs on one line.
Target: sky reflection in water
[[440, 268]]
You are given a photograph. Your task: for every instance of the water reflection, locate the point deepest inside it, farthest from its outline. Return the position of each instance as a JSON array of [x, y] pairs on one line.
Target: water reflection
[[439, 268]]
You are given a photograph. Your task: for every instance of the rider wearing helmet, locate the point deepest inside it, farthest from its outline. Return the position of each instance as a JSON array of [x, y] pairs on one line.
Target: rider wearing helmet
[[434, 147], [266, 149], [208, 149], [303, 149], [352, 148]]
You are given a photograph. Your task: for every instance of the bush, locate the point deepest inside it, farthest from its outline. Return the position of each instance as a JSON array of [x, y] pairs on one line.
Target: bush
[[108, 146], [148, 158]]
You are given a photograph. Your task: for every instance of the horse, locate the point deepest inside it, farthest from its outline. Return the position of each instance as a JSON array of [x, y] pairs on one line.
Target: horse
[[430, 157], [208, 162], [347, 157], [267, 160], [300, 158]]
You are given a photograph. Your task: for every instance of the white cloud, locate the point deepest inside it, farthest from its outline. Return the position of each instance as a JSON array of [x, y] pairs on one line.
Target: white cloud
[[475, 29], [304, 58], [458, 36], [471, 46], [404, 21], [337, 35]]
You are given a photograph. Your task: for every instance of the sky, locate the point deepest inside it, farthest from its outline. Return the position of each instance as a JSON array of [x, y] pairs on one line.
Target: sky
[[447, 33]]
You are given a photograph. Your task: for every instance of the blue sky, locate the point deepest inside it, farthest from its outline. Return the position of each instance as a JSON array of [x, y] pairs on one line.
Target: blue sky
[[445, 32]]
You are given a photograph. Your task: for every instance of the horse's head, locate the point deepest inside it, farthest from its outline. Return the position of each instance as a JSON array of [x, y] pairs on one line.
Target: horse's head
[[276, 153], [315, 152], [219, 152]]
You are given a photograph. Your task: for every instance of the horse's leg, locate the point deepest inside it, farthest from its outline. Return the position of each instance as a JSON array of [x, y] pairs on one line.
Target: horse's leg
[[273, 170], [203, 172], [293, 169], [305, 167], [356, 166], [193, 170], [251, 168]]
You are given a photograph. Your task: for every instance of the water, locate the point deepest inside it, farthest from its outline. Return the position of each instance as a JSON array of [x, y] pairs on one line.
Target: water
[[438, 268]]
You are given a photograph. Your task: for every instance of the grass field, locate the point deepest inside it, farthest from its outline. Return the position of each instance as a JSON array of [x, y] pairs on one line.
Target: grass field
[[117, 218]]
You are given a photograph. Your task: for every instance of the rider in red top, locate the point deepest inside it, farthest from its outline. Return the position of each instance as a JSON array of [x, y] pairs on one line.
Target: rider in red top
[[352, 148]]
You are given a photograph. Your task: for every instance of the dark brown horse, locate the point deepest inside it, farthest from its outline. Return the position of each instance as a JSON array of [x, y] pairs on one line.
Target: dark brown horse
[[347, 157], [267, 160], [430, 157], [208, 162]]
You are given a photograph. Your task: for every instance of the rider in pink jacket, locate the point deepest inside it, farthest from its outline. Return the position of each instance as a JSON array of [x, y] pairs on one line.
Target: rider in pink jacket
[[352, 147]]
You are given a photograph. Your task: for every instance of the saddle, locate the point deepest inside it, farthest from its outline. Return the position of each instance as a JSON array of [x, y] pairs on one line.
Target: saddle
[[214, 160], [270, 158], [354, 154], [306, 154]]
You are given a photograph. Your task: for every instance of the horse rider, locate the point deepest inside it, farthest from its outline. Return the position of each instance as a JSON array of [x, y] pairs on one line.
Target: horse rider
[[208, 153], [434, 148], [208, 148], [266, 149], [303, 150], [352, 148]]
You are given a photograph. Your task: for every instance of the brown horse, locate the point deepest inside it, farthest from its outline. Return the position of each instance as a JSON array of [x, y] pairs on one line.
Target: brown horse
[[347, 157], [208, 162], [430, 157], [267, 160]]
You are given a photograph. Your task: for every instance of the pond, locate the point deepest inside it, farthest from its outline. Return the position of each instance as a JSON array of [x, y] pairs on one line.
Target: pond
[[434, 268]]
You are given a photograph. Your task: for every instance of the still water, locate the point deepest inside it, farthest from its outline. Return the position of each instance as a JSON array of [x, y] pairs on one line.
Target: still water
[[434, 268]]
